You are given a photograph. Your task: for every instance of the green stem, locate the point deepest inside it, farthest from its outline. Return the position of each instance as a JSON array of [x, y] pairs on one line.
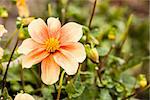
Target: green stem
[[49, 9], [37, 77], [78, 72], [60, 85], [101, 63], [22, 77], [125, 34]]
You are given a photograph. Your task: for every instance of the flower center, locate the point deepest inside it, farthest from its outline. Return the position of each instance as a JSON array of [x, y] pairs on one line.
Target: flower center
[[52, 44]]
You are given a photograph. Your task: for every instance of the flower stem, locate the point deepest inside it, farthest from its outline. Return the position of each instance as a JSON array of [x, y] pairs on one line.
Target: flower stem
[[22, 77], [92, 14], [101, 64], [125, 34], [5, 75], [49, 10], [60, 85]]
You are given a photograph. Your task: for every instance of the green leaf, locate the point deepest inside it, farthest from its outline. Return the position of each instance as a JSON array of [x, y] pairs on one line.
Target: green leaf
[[102, 51], [128, 80], [15, 86], [29, 88], [6, 95], [89, 93], [46, 92], [104, 95], [117, 59], [119, 87], [74, 89]]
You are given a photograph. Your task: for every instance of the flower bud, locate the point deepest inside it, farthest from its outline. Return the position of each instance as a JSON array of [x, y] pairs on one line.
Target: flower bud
[[2, 30], [143, 83], [23, 96], [27, 21], [142, 80], [92, 53], [3, 12], [21, 34], [92, 39], [22, 8], [111, 36]]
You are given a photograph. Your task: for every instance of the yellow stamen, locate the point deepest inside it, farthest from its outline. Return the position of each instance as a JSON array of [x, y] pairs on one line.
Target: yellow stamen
[[52, 44]]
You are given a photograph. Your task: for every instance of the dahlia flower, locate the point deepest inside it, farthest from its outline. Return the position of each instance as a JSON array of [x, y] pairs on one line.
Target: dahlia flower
[[53, 46]]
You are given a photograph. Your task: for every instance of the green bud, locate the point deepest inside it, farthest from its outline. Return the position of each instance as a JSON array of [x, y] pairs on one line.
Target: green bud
[[92, 39], [3, 12], [92, 53], [21, 34], [142, 80], [26, 21]]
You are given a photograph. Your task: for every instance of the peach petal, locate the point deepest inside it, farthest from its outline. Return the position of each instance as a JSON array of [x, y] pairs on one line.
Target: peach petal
[[38, 30], [23, 96], [53, 26], [71, 32], [76, 49], [34, 57], [50, 71], [66, 61], [28, 45]]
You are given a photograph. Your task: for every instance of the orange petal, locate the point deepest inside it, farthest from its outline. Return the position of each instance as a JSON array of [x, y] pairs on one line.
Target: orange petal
[[28, 45], [71, 32], [53, 25], [66, 61], [34, 57], [38, 30], [76, 49], [23, 96], [50, 71]]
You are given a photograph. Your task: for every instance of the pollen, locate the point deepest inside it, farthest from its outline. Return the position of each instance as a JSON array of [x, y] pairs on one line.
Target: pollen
[[52, 45]]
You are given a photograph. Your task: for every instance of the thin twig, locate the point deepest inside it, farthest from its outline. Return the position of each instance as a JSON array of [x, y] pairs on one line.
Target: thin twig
[[78, 72], [101, 64], [92, 14], [5, 75]]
